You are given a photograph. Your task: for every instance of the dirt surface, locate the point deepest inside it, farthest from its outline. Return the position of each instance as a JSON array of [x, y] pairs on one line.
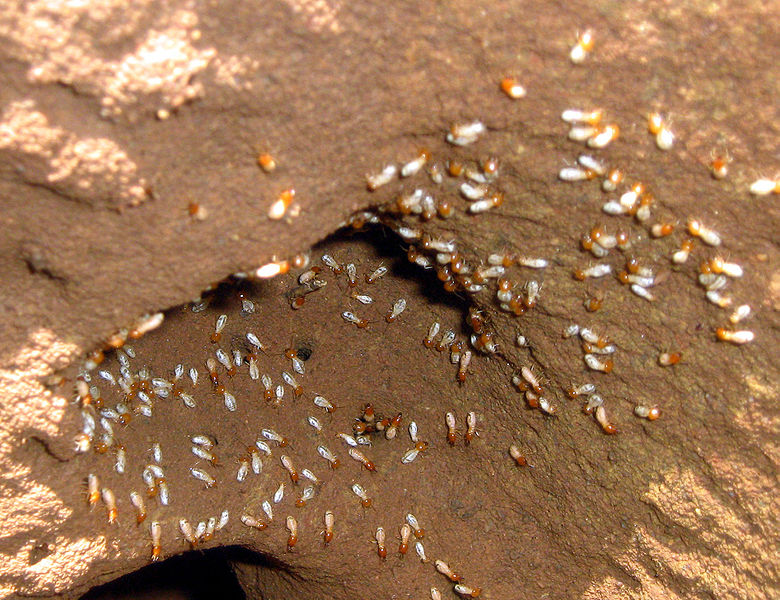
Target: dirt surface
[[113, 120]]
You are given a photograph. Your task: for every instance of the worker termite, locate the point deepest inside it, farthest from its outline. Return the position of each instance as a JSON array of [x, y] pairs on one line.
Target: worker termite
[[740, 313], [667, 359], [411, 454], [463, 134], [201, 475], [306, 495], [656, 125], [110, 501], [406, 533], [705, 234], [595, 271], [350, 317], [272, 269], [360, 492], [512, 88], [601, 417], [93, 490], [661, 229], [719, 165], [156, 532], [649, 413], [327, 534], [718, 265], [584, 45], [443, 568], [517, 456], [290, 380], [596, 364], [220, 325], [420, 550], [531, 378], [575, 115], [243, 469], [463, 365], [279, 494], [384, 177], [379, 537], [253, 522], [266, 162], [287, 463], [324, 403], [268, 509], [735, 337], [435, 594], [681, 256], [281, 204], [272, 436], [466, 591], [765, 186], [642, 292], [357, 455], [604, 136], [446, 339], [418, 531], [414, 166], [471, 427], [398, 307], [329, 456], [379, 272], [451, 432], [392, 427]]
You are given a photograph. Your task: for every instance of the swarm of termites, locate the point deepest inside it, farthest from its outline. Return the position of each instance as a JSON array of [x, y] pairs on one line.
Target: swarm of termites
[[427, 188]]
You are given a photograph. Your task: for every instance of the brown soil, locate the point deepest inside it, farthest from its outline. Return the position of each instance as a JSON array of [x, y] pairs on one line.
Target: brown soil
[[101, 153]]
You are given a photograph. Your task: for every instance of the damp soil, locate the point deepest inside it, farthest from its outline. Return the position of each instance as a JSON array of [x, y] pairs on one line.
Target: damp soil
[[684, 506]]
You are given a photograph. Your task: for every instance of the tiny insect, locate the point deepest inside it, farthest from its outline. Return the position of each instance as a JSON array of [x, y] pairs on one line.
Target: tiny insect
[[595, 271], [272, 436], [471, 427], [327, 534], [604, 136], [253, 522], [656, 125], [645, 412], [435, 594], [306, 495], [584, 45], [220, 325], [201, 475], [93, 490], [406, 533], [266, 162], [155, 529], [449, 418], [281, 204], [381, 549], [350, 317], [603, 420], [735, 337], [398, 307], [412, 453], [597, 364], [360, 492], [740, 313], [705, 234], [667, 359], [443, 568], [463, 134], [517, 456], [420, 550], [279, 494], [575, 115], [413, 167], [384, 177], [110, 501], [681, 256], [329, 456], [268, 510], [321, 402], [361, 458], [378, 273], [764, 187], [512, 88], [287, 463], [418, 531], [466, 591]]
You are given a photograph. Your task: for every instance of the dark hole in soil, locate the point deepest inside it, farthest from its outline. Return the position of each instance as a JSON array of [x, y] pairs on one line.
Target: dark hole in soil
[[188, 576]]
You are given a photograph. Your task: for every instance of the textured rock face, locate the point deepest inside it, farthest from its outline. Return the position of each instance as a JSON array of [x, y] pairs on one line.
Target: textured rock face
[[116, 120]]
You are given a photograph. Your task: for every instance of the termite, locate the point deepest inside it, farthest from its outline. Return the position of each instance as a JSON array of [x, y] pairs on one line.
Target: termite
[[156, 532], [381, 549], [287, 463], [360, 492], [517, 456], [471, 427], [406, 533], [327, 535], [443, 568], [361, 458]]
